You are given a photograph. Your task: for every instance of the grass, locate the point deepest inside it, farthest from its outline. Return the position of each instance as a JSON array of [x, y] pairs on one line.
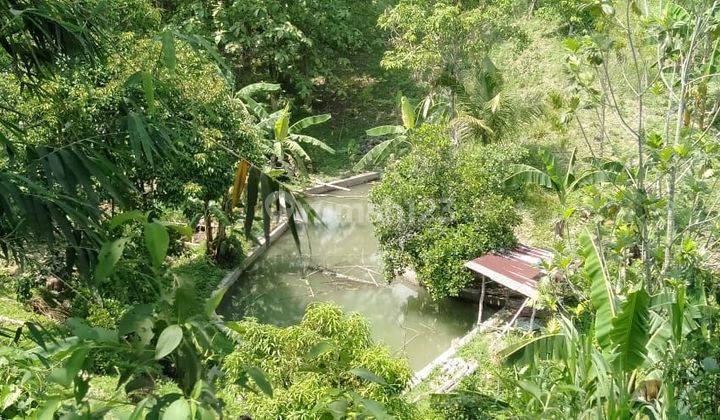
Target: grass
[[369, 100], [11, 308], [538, 211], [490, 383], [197, 267]]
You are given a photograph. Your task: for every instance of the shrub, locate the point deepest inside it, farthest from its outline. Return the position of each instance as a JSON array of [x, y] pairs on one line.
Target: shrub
[[443, 205], [309, 366]]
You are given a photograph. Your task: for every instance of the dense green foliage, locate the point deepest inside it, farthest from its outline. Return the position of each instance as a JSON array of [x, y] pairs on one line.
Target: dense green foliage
[[327, 364], [128, 127], [441, 206], [302, 45]]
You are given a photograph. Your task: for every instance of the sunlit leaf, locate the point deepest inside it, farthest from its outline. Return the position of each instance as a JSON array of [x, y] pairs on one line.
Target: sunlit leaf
[[157, 242], [367, 375], [178, 410], [168, 341], [309, 121], [108, 257]]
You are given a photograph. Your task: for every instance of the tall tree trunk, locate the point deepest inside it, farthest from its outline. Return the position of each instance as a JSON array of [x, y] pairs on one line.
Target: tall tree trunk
[[208, 228], [681, 121], [219, 239]]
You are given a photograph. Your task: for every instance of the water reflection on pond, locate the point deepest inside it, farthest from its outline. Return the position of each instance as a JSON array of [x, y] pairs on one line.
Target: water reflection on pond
[[282, 283]]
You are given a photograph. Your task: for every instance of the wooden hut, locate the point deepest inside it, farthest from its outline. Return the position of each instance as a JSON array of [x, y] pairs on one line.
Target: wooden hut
[[518, 269]]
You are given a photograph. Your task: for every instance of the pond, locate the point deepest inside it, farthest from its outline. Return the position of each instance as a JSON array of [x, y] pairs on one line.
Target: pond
[[278, 287]]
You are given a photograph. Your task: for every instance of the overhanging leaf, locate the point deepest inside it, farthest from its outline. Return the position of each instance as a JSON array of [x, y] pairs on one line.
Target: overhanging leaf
[[367, 375], [320, 349], [64, 375], [178, 410], [148, 85], [139, 137], [122, 218], [108, 257]]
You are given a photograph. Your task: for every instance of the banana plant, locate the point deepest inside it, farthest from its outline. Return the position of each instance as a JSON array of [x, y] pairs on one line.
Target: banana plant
[[283, 141], [254, 107], [399, 141], [283, 145], [596, 366], [562, 180], [609, 369], [554, 177]]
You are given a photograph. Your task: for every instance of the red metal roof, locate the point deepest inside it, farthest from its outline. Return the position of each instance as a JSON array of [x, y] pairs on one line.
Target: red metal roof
[[517, 269]]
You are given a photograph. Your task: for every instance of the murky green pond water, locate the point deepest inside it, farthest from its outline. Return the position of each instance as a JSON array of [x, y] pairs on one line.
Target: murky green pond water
[[278, 287]]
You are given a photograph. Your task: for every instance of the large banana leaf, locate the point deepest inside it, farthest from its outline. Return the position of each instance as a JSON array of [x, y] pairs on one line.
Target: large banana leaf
[[282, 125], [660, 334], [380, 153], [549, 346], [296, 150], [408, 113], [590, 177], [630, 331], [601, 290], [312, 141], [255, 108], [385, 130], [309, 121], [526, 174], [254, 88]]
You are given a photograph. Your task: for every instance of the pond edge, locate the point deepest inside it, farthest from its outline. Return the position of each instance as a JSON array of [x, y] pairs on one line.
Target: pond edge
[[282, 227]]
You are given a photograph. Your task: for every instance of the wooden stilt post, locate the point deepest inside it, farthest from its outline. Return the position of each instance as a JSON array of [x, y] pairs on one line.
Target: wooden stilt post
[[532, 318], [514, 318], [482, 301]]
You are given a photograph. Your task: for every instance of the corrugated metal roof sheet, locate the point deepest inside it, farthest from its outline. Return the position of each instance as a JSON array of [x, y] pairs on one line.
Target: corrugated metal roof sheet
[[517, 269]]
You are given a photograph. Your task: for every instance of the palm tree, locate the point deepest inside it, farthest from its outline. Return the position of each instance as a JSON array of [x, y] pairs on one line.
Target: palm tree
[[484, 110]]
